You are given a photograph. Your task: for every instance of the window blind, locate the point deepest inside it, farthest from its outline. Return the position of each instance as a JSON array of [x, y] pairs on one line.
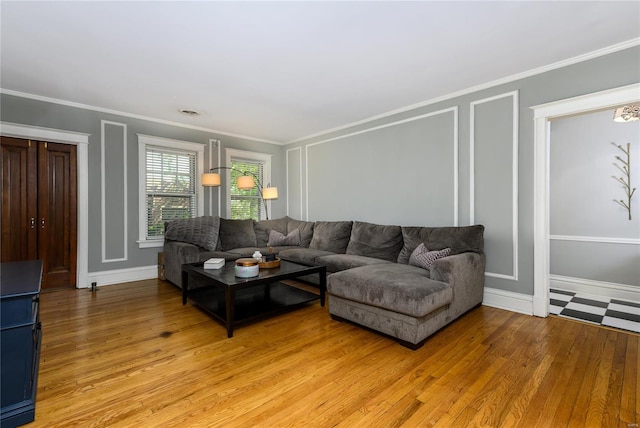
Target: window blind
[[170, 187], [246, 204]]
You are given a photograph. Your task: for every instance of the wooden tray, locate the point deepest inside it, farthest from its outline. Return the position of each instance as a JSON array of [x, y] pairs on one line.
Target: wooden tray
[[269, 265]]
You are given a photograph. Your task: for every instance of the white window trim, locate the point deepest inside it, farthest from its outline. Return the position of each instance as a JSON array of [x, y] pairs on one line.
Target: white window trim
[[143, 141], [254, 156]]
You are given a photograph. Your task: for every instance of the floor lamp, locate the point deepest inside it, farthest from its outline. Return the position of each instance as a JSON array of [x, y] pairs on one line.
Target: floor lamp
[[246, 181]]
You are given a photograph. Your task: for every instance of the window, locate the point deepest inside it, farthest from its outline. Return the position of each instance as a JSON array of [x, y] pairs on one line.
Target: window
[[169, 185], [247, 204]]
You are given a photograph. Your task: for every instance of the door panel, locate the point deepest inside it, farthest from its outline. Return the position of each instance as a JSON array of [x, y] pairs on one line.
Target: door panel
[[19, 200], [57, 214], [38, 216]]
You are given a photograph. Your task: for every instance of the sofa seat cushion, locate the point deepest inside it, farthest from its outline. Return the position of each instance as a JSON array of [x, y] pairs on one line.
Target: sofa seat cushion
[[374, 240], [400, 288], [339, 262], [305, 256], [248, 251], [203, 256]]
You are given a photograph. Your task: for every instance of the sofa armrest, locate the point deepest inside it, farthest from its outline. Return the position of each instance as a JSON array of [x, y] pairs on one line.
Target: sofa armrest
[[465, 273], [177, 253]]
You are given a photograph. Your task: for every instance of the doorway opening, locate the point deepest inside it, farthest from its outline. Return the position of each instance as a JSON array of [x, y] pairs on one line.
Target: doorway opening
[[543, 114]]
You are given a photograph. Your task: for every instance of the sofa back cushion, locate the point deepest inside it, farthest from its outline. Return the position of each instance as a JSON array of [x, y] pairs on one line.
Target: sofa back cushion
[[236, 234], [374, 240], [331, 236], [305, 228], [200, 231], [263, 227], [459, 239]]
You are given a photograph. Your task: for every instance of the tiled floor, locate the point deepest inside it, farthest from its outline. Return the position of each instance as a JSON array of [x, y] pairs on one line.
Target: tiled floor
[[615, 313]]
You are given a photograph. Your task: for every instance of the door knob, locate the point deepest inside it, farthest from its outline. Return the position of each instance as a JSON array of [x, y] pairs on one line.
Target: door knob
[[42, 222], [33, 222]]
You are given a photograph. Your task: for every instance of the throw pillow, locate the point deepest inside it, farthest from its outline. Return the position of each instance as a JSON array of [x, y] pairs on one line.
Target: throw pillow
[[200, 231], [277, 239], [422, 257]]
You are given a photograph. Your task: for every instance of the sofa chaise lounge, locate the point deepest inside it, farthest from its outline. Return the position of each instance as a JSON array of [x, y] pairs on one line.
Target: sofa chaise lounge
[[404, 282]]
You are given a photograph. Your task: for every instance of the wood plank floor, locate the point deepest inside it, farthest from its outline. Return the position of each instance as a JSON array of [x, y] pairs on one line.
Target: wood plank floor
[[131, 355]]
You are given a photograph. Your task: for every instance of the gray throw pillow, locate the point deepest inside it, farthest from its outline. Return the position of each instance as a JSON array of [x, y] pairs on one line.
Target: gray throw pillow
[[263, 227], [277, 239], [200, 231], [423, 258]]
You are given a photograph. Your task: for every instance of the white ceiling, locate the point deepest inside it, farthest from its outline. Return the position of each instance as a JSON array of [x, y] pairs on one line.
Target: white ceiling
[[281, 71]]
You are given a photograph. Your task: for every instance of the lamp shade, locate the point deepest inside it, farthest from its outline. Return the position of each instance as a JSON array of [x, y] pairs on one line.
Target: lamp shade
[[270, 193], [245, 182], [211, 179]]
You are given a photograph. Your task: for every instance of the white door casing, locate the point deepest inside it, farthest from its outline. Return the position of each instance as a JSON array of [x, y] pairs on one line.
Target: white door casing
[[542, 115]]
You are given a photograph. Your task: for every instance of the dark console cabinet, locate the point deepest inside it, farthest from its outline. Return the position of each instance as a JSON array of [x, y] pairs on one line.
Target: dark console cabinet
[[20, 335]]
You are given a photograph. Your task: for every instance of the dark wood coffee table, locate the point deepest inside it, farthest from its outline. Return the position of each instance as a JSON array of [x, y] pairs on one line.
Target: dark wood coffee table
[[235, 301]]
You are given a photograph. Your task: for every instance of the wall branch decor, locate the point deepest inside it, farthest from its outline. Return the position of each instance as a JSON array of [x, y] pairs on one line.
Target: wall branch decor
[[625, 180]]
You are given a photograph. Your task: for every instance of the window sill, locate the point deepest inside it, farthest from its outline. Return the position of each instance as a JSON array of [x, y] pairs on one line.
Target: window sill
[[151, 244]]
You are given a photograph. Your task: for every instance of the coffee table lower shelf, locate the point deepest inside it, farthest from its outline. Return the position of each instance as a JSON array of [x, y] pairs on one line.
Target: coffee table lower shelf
[[250, 304]]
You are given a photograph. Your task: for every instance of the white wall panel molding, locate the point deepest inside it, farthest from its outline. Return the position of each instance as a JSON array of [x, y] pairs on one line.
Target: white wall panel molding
[[103, 184], [118, 276], [596, 239], [508, 300], [81, 141], [455, 143], [514, 174], [214, 144], [542, 116], [291, 152], [597, 288]]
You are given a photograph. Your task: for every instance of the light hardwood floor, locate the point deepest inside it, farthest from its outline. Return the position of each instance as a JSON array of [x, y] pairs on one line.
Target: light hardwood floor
[[131, 355]]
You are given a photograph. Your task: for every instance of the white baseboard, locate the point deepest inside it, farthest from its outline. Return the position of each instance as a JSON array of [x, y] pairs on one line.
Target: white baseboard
[[493, 297], [119, 276], [508, 300], [597, 288]]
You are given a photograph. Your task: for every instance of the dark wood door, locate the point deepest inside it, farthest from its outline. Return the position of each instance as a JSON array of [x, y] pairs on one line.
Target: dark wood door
[[19, 200], [39, 207]]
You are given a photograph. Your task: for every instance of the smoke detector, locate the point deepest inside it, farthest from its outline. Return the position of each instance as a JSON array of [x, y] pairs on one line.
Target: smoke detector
[[189, 112]]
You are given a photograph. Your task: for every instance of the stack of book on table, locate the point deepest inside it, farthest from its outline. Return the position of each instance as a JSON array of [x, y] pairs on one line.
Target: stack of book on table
[[214, 263]]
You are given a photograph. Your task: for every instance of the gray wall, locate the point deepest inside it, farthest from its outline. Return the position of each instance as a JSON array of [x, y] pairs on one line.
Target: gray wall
[[33, 112], [401, 169], [451, 162], [591, 236]]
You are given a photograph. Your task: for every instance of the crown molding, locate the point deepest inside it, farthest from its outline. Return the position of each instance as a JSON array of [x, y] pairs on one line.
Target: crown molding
[[131, 115], [566, 62]]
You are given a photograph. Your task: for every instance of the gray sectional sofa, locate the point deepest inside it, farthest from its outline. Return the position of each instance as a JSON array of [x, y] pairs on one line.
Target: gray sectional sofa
[[404, 282]]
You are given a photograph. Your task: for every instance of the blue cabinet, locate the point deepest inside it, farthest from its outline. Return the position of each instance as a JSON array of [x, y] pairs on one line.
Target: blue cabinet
[[20, 335]]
